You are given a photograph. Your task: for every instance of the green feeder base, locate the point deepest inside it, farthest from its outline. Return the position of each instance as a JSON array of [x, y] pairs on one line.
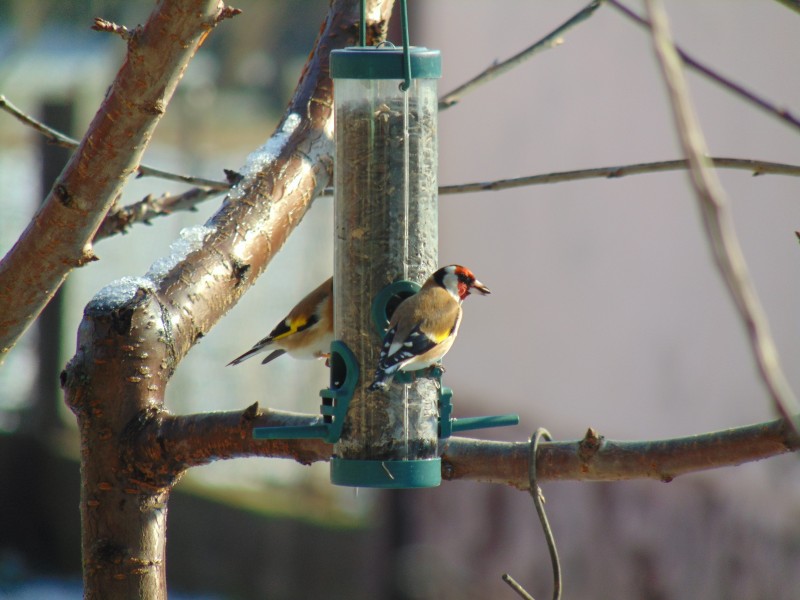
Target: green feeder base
[[386, 473]]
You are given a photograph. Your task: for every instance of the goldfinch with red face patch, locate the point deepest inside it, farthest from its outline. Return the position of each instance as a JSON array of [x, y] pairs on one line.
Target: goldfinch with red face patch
[[306, 332], [423, 326]]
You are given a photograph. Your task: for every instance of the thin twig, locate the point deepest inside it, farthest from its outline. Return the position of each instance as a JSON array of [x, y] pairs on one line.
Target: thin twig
[[120, 219], [551, 40], [55, 136], [211, 184], [718, 220], [66, 141], [758, 167], [739, 90], [516, 587]]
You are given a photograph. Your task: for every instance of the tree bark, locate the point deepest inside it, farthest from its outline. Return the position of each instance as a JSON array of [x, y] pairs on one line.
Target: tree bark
[[135, 332], [176, 443], [58, 238]]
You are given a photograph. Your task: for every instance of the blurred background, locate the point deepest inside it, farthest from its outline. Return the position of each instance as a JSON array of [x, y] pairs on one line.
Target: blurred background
[[606, 310]]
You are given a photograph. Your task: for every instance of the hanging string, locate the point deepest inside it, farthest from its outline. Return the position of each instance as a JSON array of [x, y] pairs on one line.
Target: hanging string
[[404, 87], [363, 26], [406, 49]]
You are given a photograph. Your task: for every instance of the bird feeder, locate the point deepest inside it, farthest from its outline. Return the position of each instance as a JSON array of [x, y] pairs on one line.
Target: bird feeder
[[386, 245]]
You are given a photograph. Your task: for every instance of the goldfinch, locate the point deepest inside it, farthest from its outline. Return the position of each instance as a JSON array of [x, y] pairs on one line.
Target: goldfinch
[[423, 326], [306, 332]]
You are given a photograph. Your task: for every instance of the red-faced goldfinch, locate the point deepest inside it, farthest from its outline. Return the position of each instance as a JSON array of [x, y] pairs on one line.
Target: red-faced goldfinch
[[306, 332], [423, 326]]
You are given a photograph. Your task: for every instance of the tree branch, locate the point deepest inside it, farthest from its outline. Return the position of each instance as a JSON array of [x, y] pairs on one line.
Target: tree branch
[[135, 331], [739, 90], [278, 184], [187, 441], [53, 135], [718, 221], [119, 219], [596, 459], [758, 167], [58, 239], [551, 40], [65, 141]]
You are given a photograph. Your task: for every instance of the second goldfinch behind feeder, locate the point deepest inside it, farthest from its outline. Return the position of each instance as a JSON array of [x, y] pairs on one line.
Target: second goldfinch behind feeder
[[306, 332]]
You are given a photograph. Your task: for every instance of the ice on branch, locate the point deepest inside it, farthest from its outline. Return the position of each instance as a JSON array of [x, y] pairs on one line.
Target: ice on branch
[[191, 239], [261, 158], [118, 293]]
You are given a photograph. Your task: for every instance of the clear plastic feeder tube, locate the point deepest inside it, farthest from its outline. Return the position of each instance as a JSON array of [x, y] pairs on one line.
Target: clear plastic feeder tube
[[386, 229]]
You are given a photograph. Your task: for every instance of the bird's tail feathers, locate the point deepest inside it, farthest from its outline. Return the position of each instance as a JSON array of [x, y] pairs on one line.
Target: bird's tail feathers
[[258, 348]]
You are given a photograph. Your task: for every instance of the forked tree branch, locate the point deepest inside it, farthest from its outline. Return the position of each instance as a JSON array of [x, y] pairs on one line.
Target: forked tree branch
[[718, 221], [136, 331], [59, 237]]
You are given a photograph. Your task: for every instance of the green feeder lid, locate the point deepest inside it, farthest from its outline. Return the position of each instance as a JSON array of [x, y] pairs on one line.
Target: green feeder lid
[[384, 62]]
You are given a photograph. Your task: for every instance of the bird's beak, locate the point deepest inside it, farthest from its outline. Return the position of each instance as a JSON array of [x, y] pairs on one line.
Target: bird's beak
[[480, 287]]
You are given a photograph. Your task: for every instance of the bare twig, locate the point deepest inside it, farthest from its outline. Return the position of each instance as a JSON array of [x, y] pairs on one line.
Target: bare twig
[[551, 40], [210, 184], [107, 26], [120, 219], [719, 222], [756, 166], [739, 90], [66, 141], [54, 136]]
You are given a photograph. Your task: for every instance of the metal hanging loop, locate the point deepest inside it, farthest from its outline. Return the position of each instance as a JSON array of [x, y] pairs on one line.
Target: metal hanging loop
[[538, 502]]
